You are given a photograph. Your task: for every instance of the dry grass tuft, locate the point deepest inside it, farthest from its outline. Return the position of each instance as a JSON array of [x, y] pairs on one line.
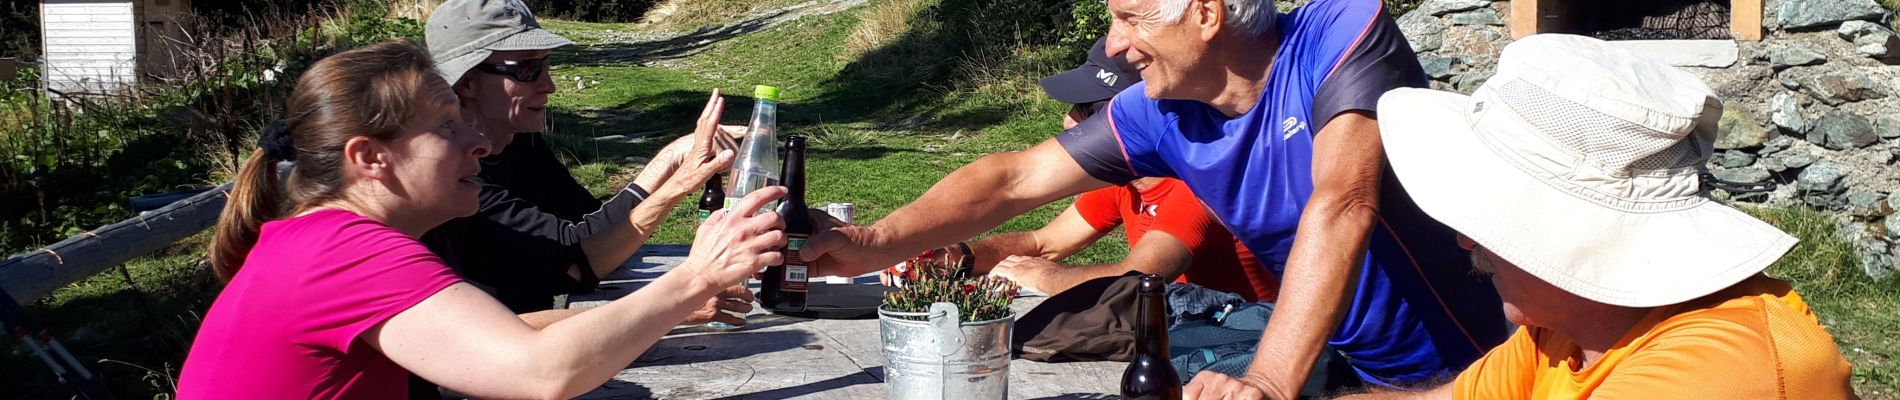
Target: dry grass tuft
[[688, 15], [883, 23], [413, 9]]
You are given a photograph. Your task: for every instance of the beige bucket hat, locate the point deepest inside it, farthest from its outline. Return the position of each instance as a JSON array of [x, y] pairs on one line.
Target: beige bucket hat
[[1580, 162], [462, 33]]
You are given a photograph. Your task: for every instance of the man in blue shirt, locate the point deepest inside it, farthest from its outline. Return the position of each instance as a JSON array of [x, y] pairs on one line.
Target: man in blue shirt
[[1270, 120]]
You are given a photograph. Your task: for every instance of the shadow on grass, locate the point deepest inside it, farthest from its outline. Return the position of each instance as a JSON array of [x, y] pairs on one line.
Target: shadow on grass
[[964, 44], [675, 48], [619, 132], [904, 84], [134, 337]]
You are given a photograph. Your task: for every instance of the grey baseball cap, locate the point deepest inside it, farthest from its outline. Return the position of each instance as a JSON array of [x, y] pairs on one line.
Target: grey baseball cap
[[462, 33]]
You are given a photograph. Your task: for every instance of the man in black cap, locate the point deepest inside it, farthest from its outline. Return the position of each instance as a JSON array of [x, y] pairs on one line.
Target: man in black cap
[[1169, 232]]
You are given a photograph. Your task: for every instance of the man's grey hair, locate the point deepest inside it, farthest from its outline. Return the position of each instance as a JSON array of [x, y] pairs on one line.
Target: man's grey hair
[[1252, 17]]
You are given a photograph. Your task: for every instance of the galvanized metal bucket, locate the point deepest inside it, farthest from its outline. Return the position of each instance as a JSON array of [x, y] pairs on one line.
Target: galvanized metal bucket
[[939, 358]]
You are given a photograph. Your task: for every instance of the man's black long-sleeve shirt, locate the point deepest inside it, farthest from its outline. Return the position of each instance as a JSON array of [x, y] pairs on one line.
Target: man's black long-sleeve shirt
[[519, 245]]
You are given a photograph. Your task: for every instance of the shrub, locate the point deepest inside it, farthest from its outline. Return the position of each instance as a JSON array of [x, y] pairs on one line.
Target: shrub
[[68, 165], [20, 29]]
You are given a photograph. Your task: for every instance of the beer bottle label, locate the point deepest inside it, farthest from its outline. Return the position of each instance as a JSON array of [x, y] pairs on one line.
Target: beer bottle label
[[704, 214], [796, 277]]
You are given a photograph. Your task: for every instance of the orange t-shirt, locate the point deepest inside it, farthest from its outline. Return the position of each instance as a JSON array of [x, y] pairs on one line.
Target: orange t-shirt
[[1220, 262], [1754, 340]]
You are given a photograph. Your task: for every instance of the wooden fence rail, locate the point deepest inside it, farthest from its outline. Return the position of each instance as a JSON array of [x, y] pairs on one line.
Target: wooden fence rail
[[31, 275]]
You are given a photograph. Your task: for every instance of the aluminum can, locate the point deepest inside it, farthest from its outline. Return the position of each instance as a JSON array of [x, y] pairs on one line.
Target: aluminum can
[[846, 212]]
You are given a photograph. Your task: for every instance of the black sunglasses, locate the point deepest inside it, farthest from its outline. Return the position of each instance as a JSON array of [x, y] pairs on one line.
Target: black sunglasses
[[520, 70]]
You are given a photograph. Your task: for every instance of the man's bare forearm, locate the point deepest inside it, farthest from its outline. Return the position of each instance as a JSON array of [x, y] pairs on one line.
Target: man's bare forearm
[[1072, 275], [1323, 265], [994, 249], [969, 201], [1328, 249]]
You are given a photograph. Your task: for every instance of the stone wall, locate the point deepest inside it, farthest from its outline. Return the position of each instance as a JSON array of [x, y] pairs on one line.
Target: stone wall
[[1813, 108]]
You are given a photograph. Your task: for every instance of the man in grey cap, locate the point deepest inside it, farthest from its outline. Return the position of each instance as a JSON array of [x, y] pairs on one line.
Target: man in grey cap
[[539, 233]]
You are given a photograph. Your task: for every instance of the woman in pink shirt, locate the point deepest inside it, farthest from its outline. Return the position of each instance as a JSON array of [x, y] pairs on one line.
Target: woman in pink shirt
[[331, 296]]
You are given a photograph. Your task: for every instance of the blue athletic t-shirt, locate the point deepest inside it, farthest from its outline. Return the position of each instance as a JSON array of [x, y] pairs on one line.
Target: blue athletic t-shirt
[[1417, 313]]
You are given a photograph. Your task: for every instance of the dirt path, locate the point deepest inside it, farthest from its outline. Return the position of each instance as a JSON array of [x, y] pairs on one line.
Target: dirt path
[[658, 48]]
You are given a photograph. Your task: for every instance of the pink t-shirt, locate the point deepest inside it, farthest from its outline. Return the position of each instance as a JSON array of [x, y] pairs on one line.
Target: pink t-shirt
[[287, 325]]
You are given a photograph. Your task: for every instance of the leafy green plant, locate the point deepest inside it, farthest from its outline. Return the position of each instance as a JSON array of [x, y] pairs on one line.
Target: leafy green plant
[[928, 280], [1090, 21]]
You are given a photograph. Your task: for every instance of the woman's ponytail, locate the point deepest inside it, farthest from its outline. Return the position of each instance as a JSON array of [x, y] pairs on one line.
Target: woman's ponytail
[[257, 196]]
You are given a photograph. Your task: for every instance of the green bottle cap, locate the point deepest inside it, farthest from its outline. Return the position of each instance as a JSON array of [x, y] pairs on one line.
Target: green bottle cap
[[763, 92]]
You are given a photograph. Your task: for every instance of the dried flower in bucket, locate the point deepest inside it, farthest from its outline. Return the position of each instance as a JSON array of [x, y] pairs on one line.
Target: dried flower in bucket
[[930, 280]]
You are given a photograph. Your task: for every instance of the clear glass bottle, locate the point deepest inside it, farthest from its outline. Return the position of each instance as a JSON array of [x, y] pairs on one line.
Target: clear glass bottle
[[757, 165]]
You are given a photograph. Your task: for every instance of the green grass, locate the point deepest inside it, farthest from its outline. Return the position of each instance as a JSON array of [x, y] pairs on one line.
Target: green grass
[[136, 330], [1856, 309], [861, 153], [1892, 5]]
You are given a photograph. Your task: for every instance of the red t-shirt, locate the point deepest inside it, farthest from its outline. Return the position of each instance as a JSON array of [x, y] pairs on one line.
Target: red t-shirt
[[288, 324], [1220, 262]]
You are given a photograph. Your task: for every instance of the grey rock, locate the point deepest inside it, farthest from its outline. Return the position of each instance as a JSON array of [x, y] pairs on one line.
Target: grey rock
[[1483, 16], [1787, 81], [1735, 159], [1775, 145], [1787, 114], [1799, 14], [1467, 83], [1782, 57], [1797, 160], [1822, 177], [1772, 164], [1856, 31], [1876, 254], [1438, 67], [1738, 131], [1839, 87], [1879, 266], [1869, 38], [1875, 50], [1888, 126], [1840, 130], [1423, 31], [1822, 200], [1439, 8], [1741, 175], [1865, 203], [1893, 227]]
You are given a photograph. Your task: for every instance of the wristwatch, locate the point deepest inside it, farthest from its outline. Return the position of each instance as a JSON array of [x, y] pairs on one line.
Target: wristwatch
[[967, 265]]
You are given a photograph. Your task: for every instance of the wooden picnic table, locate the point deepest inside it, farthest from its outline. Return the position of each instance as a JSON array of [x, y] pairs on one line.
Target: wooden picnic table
[[778, 357]]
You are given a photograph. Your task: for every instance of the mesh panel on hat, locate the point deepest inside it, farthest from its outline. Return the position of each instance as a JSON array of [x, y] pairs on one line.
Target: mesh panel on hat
[[1610, 141]]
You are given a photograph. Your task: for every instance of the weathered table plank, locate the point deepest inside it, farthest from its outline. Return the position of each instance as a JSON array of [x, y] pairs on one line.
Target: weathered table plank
[[778, 357]]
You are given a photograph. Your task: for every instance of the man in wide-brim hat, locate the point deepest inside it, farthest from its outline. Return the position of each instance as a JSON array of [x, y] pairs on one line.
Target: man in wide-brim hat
[[1574, 176]]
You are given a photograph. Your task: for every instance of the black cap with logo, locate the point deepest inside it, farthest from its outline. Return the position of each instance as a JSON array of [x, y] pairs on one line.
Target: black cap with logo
[[1098, 79]]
